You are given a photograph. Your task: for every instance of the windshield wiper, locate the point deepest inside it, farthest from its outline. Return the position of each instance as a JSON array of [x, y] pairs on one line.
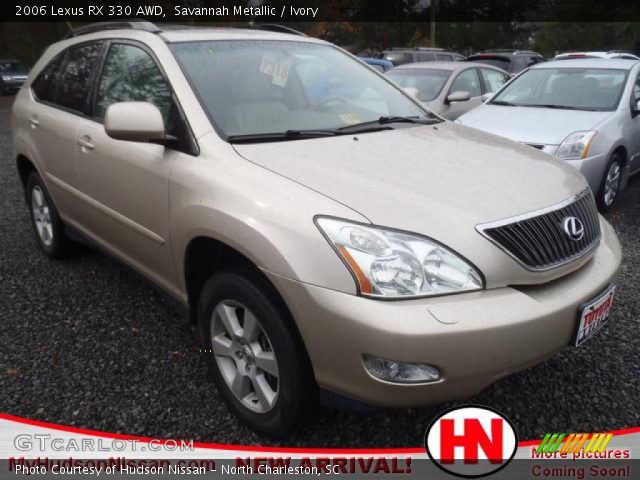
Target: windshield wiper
[[281, 136], [503, 103], [559, 107], [374, 125]]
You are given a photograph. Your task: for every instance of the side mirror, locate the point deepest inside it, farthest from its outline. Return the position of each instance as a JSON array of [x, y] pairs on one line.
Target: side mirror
[[636, 110], [134, 122], [459, 96], [413, 91], [487, 96]]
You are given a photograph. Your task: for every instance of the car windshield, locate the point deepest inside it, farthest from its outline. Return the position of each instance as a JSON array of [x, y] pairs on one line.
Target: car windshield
[[566, 88], [11, 66], [427, 82], [265, 87]]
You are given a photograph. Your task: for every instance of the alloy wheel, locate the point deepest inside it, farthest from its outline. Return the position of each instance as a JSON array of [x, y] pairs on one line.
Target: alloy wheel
[[41, 216], [612, 184], [245, 356]]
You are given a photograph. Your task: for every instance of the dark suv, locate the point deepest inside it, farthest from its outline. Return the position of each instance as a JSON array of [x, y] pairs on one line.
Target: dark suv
[[511, 61], [12, 76], [400, 56]]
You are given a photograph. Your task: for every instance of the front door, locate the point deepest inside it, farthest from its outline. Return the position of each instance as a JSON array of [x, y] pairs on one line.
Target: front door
[[126, 184]]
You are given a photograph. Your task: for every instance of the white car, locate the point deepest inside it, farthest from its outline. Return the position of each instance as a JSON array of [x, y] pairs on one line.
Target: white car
[[585, 112]]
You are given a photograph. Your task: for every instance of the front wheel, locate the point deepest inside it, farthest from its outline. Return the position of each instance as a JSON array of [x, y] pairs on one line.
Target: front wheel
[[610, 184], [256, 359]]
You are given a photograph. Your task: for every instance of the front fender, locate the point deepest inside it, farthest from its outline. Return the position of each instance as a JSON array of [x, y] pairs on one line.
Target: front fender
[[264, 216]]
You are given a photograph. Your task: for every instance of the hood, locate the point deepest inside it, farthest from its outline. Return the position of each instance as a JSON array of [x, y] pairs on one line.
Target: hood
[[548, 126], [440, 181]]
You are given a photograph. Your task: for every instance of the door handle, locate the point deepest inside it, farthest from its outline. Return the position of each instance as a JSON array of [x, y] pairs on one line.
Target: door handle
[[33, 120], [85, 142]]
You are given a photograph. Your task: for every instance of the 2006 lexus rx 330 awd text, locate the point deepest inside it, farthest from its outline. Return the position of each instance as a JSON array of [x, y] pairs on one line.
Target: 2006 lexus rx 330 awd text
[[352, 248]]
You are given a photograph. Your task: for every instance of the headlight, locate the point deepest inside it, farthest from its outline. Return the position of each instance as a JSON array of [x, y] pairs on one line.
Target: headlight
[[7, 78], [391, 264], [576, 145]]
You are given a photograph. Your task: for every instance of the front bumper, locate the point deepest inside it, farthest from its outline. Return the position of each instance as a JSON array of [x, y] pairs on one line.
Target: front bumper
[[473, 339]]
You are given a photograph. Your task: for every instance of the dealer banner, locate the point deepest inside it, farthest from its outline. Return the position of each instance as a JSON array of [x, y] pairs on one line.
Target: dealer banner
[[47, 451]]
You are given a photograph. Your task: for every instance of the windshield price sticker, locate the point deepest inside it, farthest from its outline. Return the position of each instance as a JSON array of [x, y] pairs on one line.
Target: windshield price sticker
[[277, 67]]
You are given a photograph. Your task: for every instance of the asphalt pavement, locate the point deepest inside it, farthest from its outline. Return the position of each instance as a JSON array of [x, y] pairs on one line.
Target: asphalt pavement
[[86, 342]]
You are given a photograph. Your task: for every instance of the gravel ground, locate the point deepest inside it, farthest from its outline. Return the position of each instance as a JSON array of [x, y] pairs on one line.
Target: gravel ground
[[86, 342]]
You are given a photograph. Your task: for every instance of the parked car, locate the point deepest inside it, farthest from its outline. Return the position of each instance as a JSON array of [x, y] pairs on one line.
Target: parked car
[[585, 112], [283, 227], [605, 55], [378, 63], [512, 61], [449, 88], [402, 55], [12, 75]]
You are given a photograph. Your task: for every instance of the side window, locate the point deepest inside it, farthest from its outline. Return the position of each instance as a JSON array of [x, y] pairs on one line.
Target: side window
[[518, 64], [467, 81], [76, 74], [130, 75], [444, 57], [425, 57], [44, 86], [493, 79]]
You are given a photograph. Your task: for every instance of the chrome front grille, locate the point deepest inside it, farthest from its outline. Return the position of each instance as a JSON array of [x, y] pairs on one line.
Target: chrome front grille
[[539, 240]]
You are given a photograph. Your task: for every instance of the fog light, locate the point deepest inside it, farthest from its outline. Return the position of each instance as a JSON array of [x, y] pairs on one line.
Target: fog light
[[398, 372]]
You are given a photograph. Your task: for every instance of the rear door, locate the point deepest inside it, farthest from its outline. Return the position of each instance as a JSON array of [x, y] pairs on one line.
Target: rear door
[[465, 81], [127, 183], [61, 103]]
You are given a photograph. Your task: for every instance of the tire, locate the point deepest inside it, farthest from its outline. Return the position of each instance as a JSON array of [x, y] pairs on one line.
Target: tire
[[610, 183], [45, 220], [227, 300]]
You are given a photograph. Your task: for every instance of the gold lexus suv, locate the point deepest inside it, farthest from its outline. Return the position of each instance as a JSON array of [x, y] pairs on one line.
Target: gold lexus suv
[[332, 238]]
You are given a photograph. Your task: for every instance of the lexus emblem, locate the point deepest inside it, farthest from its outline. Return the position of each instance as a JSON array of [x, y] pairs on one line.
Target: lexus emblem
[[574, 228]]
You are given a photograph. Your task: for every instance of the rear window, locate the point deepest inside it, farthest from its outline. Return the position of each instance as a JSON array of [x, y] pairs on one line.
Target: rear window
[[44, 87], [500, 62]]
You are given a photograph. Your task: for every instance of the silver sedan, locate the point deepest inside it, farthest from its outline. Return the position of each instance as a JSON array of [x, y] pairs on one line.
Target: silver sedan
[[449, 88], [586, 112]]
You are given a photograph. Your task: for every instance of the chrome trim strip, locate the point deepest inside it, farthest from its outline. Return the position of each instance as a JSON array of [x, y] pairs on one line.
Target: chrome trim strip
[[480, 228]]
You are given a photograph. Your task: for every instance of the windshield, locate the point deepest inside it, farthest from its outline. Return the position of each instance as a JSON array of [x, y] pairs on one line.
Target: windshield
[[428, 83], [258, 87], [11, 66], [570, 88]]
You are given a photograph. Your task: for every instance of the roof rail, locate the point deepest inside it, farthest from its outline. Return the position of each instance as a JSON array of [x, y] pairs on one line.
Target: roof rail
[[274, 27], [101, 26]]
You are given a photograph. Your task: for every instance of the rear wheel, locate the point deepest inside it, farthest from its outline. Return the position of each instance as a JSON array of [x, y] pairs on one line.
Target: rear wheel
[[45, 221], [257, 362], [610, 184]]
